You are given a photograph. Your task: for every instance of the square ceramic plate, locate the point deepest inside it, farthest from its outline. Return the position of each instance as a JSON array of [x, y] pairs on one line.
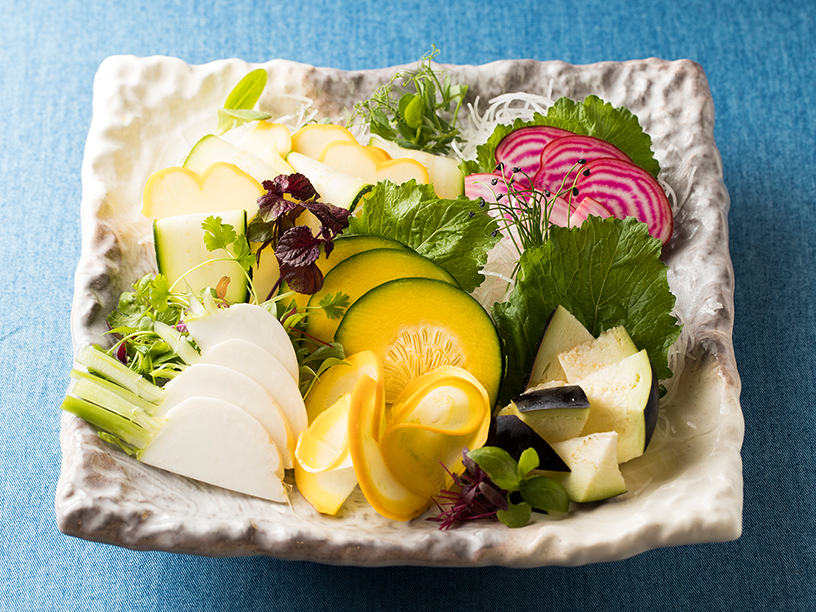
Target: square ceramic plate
[[687, 487]]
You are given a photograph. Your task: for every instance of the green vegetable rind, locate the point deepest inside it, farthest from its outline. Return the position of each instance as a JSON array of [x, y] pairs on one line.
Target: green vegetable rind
[[608, 272], [592, 117], [454, 234]]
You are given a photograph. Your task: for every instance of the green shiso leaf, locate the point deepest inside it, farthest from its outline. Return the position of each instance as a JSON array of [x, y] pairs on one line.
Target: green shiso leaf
[[607, 273], [592, 117], [454, 234]]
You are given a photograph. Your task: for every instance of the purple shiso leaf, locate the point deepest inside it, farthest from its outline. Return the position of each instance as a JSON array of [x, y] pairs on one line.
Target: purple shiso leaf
[[298, 247], [304, 279]]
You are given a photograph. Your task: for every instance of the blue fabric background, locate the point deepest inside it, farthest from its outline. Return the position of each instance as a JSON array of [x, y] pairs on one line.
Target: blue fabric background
[[759, 56]]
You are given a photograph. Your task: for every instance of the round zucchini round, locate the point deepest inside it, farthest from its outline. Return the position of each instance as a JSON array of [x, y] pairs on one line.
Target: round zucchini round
[[361, 273], [419, 324]]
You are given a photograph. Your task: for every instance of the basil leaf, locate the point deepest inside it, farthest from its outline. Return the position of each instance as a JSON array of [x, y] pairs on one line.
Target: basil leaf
[[527, 462], [516, 515], [498, 465], [544, 494]]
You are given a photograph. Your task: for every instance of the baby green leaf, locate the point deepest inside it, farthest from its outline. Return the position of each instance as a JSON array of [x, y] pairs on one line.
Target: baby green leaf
[[243, 97]]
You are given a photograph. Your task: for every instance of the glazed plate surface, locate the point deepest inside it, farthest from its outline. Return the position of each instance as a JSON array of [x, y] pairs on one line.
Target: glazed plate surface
[[687, 487]]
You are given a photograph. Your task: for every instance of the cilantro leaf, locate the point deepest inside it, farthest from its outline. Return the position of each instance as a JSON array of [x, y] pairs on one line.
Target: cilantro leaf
[[592, 117], [455, 234], [217, 235], [607, 272], [334, 304]]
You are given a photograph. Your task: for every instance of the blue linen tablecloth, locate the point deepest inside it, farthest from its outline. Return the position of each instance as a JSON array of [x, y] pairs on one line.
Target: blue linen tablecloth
[[758, 57]]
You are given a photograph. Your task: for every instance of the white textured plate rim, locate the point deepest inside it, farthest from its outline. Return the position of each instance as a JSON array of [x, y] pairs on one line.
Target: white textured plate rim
[[687, 488]]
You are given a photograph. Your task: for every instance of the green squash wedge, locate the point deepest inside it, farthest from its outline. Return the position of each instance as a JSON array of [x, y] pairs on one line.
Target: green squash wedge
[[417, 325]]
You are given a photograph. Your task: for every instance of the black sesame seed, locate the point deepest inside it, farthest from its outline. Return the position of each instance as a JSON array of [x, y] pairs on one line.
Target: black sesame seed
[[581, 161], [546, 193], [516, 169], [494, 181], [482, 203], [575, 191], [494, 233], [471, 214]]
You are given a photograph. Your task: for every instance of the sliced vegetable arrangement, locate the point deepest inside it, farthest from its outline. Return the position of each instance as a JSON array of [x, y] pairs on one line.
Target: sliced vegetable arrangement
[[315, 322]]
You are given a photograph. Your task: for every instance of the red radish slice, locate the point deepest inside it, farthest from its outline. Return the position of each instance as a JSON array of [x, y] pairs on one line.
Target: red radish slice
[[626, 190], [522, 149], [561, 158], [588, 207]]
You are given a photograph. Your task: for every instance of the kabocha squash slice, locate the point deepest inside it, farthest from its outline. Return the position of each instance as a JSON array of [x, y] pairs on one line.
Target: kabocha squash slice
[[345, 247], [416, 325], [362, 272]]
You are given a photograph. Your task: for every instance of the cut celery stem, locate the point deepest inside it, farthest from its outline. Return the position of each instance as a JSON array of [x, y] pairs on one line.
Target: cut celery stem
[[127, 430], [114, 370], [90, 390], [126, 395]]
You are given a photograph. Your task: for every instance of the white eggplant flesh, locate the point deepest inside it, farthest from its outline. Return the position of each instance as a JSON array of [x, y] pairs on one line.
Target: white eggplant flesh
[[216, 442], [247, 322], [229, 385], [263, 368]]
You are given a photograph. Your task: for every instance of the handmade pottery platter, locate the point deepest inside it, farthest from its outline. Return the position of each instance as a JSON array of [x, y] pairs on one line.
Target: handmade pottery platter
[[687, 487]]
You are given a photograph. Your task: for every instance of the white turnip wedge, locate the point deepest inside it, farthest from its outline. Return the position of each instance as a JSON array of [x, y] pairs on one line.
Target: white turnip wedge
[[229, 385], [246, 322], [251, 360], [216, 442]]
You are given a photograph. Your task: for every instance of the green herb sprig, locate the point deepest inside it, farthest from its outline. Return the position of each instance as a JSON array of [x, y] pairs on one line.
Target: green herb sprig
[[414, 108], [496, 485]]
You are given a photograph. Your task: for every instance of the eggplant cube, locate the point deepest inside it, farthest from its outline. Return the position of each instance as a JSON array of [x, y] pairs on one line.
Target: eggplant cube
[[594, 473], [556, 412], [623, 398], [562, 332], [612, 346]]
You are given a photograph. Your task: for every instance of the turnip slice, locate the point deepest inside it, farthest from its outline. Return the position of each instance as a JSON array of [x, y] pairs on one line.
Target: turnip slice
[[522, 148], [264, 369], [587, 208], [216, 442], [560, 160], [207, 380], [247, 322], [626, 190]]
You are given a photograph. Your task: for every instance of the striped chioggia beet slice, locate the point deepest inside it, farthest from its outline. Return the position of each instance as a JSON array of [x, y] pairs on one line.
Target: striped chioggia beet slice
[[588, 207], [522, 148], [626, 190], [483, 186], [559, 212], [560, 159]]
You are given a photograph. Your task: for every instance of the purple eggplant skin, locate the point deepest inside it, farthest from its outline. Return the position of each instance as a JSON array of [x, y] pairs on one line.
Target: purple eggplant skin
[[652, 410], [553, 398], [509, 432]]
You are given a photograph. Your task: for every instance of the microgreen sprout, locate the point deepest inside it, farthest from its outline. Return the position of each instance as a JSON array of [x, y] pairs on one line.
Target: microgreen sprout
[[414, 108]]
